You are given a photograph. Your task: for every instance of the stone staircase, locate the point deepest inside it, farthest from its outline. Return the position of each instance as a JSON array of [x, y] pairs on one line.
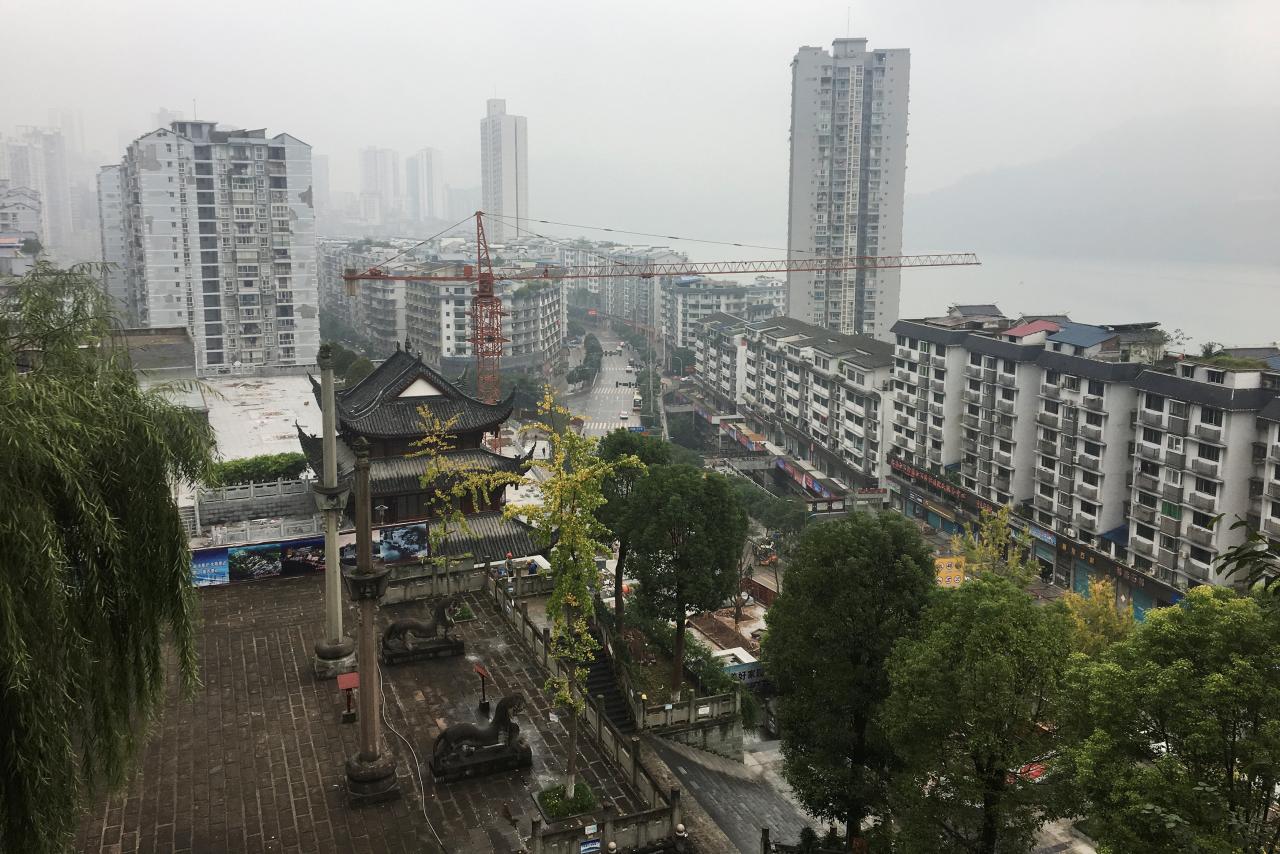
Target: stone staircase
[[601, 683]]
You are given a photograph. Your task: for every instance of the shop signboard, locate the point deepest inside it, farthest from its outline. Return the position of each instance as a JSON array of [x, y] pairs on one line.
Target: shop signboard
[[950, 570]]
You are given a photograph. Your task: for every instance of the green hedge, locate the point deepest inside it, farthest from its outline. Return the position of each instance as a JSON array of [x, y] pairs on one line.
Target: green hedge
[[259, 469]]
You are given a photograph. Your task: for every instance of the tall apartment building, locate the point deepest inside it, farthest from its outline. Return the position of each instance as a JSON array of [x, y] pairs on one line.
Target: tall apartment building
[[381, 185], [219, 236], [36, 158], [111, 212], [504, 172], [848, 173], [424, 185], [687, 301]]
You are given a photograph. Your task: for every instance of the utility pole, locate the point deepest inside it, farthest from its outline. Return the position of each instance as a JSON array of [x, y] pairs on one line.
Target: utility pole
[[335, 652], [371, 773]]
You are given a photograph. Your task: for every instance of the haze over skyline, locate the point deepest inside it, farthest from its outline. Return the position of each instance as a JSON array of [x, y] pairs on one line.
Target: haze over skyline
[[676, 113]]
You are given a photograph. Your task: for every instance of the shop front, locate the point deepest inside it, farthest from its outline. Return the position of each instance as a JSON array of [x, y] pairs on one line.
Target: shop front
[[1085, 564], [1042, 544], [941, 504]]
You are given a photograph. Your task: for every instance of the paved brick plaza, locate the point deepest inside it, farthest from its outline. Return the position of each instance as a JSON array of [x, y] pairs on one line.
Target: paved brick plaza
[[255, 761]]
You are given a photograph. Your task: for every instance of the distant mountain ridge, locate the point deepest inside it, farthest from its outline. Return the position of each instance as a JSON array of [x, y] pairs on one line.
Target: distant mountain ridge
[[1156, 189]]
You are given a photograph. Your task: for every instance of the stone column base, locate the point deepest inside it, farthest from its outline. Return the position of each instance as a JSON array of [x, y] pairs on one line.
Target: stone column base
[[372, 782], [333, 658]]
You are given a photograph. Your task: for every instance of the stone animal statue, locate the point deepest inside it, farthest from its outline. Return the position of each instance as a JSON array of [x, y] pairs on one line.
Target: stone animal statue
[[502, 729], [402, 633]]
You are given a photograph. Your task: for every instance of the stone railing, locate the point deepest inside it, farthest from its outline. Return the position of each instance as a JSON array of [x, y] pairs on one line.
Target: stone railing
[[266, 530], [659, 821]]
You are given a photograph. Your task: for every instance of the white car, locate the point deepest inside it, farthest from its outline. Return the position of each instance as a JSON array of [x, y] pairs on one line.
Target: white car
[[624, 415]]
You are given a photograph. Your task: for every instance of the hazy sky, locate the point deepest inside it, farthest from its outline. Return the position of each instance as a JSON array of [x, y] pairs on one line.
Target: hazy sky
[[653, 115]]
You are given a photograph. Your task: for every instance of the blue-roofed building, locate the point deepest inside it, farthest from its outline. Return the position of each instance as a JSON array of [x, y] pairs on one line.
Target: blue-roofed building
[[1081, 339]]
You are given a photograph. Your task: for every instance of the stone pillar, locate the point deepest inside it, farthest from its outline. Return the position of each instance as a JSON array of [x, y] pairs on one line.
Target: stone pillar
[[371, 773], [335, 652]]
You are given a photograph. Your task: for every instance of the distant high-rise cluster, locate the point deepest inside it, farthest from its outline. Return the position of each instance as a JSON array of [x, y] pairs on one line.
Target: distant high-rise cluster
[[504, 171], [848, 171], [214, 230]]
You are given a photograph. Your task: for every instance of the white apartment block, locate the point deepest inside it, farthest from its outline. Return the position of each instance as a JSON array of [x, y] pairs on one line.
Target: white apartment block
[[818, 395], [20, 210], [504, 172], [219, 236], [687, 301], [1113, 454], [847, 179], [111, 211], [424, 185], [720, 349]]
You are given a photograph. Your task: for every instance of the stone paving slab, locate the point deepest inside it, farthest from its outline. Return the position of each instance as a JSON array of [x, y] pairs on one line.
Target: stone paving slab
[[254, 761]]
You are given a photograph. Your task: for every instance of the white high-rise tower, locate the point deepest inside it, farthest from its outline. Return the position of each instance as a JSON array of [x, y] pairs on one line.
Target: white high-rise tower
[[504, 172], [848, 171], [217, 233]]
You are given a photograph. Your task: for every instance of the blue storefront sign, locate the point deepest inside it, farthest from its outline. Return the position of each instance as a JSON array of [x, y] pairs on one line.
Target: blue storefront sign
[[224, 564]]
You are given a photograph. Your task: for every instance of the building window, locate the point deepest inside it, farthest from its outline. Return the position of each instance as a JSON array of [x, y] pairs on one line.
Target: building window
[[1199, 555], [1173, 511], [1151, 436], [1218, 377], [1211, 416], [1153, 402], [1188, 371], [1149, 468], [1144, 531], [1205, 486], [1211, 453], [1146, 499], [1203, 520], [1096, 388]]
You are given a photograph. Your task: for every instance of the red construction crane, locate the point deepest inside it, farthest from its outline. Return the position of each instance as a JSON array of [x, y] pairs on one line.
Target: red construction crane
[[486, 307]]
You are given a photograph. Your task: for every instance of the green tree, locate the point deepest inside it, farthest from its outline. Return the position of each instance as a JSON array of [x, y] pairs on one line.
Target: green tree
[[966, 714], [1174, 735], [990, 549], [616, 511], [687, 532], [342, 358], [572, 493], [358, 370], [854, 588], [1097, 621], [258, 469], [95, 573]]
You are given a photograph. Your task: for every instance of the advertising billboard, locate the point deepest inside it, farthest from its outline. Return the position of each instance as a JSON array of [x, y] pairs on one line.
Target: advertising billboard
[[224, 564]]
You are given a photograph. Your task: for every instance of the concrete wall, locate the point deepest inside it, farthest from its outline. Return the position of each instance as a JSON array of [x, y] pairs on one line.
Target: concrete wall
[[722, 736]]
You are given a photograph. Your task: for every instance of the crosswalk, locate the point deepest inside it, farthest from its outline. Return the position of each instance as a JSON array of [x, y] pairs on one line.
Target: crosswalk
[[600, 428]]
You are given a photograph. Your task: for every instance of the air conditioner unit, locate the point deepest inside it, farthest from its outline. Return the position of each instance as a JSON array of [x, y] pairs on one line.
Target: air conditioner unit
[[1069, 531]]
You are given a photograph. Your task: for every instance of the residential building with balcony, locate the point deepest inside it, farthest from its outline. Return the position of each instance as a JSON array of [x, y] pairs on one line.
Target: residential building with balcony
[[218, 232], [720, 348], [818, 395], [1196, 431], [1264, 493], [687, 301]]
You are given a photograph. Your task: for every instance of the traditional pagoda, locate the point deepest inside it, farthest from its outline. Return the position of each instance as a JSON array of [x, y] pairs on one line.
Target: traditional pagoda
[[386, 409]]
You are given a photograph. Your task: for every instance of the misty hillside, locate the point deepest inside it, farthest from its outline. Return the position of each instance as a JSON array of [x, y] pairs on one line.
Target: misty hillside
[[1155, 189]]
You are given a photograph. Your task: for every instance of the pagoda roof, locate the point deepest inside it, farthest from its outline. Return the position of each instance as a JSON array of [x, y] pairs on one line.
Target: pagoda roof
[[386, 403], [402, 474]]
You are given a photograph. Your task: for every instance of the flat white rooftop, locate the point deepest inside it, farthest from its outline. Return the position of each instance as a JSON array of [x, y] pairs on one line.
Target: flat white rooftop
[[255, 415]]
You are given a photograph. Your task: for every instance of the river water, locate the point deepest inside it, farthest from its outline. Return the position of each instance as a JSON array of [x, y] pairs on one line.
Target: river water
[[1234, 305]]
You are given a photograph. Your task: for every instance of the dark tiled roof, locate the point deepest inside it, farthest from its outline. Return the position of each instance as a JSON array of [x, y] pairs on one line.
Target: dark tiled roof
[[1080, 366], [374, 408], [399, 475], [861, 349], [971, 310], [490, 536], [1003, 349], [1271, 411], [1205, 394], [721, 319], [928, 332], [1081, 334]]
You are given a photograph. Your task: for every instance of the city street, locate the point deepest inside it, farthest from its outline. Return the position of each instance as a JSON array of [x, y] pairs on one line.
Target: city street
[[602, 405]]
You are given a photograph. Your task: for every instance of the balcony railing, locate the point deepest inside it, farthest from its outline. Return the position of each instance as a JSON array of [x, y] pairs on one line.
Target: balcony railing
[[1087, 523], [1066, 484], [1172, 527], [1044, 446], [1050, 391], [1208, 433], [1147, 482], [1048, 420], [1004, 431], [1088, 462], [1204, 467], [1005, 406], [1171, 493], [1043, 502], [1141, 546], [1199, 536], [1092, 401], [1144, 513], [1151, 419], [1200, 501], [973, 371], [1093, 434]]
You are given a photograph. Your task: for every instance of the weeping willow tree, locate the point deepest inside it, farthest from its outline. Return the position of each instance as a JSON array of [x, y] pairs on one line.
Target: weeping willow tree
[[95, 578]]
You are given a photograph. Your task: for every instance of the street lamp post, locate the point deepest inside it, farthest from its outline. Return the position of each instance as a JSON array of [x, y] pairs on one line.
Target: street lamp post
[[335, 652], [371, 773]]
